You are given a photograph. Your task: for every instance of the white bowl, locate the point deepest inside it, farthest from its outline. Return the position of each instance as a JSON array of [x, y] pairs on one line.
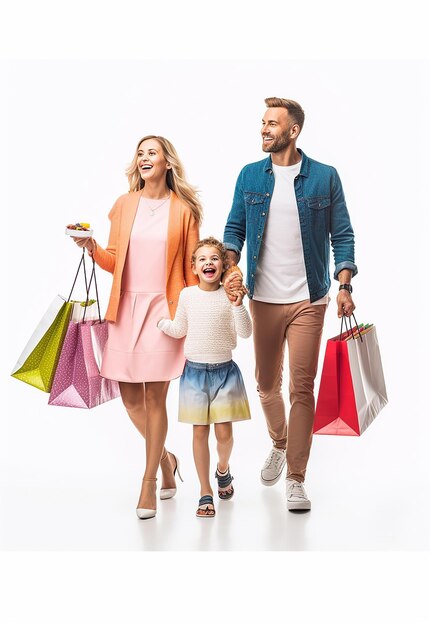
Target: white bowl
[[79, 233]]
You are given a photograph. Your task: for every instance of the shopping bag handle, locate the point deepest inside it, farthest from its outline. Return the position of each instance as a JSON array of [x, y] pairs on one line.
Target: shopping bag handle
[[93, 275], [350, 332], [87, 284], [81, 262]]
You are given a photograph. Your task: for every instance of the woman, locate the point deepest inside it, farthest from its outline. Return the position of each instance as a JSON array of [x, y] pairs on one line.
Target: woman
[[153, 231]]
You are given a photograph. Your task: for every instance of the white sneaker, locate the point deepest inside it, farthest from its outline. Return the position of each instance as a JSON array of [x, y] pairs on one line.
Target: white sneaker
[[296, 496], [273, 466]]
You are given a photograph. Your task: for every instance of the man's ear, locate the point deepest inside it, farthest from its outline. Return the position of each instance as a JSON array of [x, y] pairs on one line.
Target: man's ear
[[295, 131]]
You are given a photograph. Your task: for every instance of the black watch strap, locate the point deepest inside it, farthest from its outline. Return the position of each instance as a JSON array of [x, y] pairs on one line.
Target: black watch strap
[[346, 286]]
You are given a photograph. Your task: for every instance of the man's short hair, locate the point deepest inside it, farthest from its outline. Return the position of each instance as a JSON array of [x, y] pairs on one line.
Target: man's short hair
[[294, 109]]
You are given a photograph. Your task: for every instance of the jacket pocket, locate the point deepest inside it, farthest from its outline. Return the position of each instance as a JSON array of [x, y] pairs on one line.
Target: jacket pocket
[[253, 197], [317, 203]]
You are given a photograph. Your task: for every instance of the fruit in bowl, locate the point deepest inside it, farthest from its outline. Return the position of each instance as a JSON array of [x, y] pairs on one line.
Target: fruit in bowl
[[80, 229]]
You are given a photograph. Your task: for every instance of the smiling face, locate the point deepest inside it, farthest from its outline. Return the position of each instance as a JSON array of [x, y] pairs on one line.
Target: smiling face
[[151, 162], [208, 266], [278, 130]]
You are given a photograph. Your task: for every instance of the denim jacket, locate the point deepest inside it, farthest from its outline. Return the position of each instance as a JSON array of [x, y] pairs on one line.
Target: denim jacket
[[323, 219]]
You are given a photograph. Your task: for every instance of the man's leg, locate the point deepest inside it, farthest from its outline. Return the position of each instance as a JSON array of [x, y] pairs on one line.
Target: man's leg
[[269, 327], [304, 338], [269, 342]]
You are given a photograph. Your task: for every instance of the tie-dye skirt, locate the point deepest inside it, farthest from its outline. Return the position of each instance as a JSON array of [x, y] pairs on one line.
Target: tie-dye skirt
[[212, 393]]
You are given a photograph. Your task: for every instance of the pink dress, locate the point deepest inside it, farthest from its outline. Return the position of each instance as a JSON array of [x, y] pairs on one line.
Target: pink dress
[[136, 350]]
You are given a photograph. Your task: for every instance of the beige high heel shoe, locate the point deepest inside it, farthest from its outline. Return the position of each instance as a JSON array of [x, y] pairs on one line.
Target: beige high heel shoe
[[146, 513], [165, 494]]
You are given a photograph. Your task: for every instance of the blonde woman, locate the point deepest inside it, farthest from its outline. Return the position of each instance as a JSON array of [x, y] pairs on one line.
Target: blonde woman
[[154, 229]]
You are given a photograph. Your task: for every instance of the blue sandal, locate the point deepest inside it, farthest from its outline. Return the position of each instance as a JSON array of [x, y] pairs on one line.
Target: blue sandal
[[203, 509], [224, 481]]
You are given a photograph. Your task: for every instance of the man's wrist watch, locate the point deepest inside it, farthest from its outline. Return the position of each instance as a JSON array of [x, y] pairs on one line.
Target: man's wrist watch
[[346, 286]]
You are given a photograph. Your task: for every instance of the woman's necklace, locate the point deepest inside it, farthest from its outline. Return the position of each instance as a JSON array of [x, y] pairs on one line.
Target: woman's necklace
[[153, 208]]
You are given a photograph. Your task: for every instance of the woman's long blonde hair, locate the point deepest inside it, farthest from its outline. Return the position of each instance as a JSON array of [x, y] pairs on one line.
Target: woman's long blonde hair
[[175, 177]]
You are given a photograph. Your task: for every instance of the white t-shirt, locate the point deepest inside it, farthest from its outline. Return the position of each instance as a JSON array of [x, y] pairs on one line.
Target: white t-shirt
[[281, 273]]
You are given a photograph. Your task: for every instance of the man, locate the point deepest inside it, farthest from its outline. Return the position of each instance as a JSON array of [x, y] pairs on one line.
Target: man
[[288, 208]]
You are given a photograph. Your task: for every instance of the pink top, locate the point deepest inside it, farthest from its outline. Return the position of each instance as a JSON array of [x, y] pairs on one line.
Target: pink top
[[145, 266], [137, 351]]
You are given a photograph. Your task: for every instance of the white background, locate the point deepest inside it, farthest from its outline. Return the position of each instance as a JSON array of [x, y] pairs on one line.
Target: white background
[[72, 127]]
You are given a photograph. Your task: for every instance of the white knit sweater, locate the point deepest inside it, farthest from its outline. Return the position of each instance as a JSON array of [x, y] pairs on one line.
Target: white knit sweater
[[209, 322]]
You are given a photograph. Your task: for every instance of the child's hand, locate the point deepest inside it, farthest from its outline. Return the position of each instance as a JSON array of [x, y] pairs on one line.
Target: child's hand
[[239, 297], [233, 284]]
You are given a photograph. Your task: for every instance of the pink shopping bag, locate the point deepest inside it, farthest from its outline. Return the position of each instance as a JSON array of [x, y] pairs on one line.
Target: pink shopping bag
[[77, 382]]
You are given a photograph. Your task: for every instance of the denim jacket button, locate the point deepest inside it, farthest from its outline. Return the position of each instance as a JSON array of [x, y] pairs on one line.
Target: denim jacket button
[[268, 195], [263, 214]]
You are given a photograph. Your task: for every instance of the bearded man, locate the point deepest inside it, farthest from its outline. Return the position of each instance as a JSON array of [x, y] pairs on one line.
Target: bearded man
[[289, 208]]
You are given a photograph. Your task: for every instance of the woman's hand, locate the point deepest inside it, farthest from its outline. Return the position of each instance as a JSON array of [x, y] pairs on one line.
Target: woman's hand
[[85, 242]]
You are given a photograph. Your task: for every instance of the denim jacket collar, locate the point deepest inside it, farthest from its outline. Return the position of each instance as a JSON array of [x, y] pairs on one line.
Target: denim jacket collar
[[304, 169]]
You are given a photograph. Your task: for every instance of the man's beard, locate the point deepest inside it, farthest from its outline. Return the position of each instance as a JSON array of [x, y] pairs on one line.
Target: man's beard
[[281, 143]]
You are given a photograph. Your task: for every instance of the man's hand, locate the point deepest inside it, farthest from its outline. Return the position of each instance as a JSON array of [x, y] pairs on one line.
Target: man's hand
[[231, 258], [345, 304]]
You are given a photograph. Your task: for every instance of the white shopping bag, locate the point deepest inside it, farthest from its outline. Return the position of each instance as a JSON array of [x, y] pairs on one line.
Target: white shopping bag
[[367, 377]]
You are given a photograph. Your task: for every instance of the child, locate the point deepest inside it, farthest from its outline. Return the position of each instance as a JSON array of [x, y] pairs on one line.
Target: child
[[211, 388]]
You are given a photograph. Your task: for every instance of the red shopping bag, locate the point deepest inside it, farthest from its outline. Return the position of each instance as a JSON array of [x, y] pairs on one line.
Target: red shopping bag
[[352, 388]]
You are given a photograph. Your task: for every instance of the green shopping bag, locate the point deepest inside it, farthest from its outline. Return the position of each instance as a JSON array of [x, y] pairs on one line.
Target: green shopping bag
[[38, 361]]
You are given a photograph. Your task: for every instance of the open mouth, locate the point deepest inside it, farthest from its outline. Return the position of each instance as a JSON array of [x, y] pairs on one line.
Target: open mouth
[[146, 167], [209, 271]]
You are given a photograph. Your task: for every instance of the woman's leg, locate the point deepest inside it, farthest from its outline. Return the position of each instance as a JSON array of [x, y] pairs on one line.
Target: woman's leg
[[134, 400], [156, 431]]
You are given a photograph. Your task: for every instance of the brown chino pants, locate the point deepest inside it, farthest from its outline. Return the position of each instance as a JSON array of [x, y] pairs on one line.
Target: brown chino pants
[[300, 325]]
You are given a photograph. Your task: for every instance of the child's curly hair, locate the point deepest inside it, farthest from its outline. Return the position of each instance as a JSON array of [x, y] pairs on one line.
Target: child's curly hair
[[213, 243]]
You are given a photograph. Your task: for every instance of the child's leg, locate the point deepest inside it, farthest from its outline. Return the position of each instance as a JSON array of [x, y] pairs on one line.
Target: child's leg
[[224, 436], [202, 458]]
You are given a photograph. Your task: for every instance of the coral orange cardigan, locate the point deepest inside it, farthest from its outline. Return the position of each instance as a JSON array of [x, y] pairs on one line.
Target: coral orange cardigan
[[182, 235]]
